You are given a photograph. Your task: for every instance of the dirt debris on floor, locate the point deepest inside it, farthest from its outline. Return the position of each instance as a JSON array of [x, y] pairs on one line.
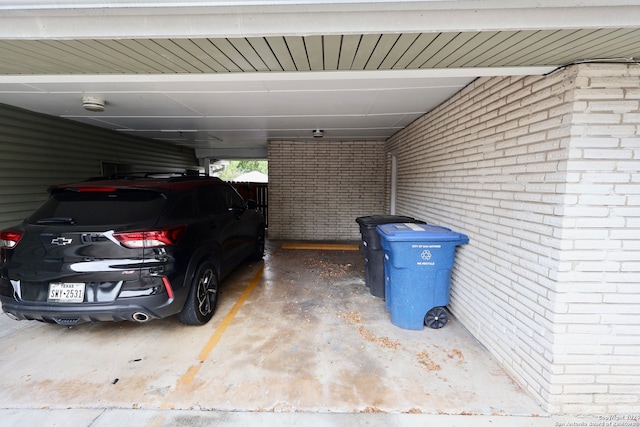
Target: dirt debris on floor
[[309, 338], [354, 317], [425, 358]]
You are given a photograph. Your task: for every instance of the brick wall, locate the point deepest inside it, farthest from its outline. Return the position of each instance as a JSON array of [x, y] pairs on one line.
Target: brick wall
[[542, 174], [317, 188], [597, 295]]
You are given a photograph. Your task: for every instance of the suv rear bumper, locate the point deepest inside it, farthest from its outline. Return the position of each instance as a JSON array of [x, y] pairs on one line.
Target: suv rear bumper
[[132, 309]]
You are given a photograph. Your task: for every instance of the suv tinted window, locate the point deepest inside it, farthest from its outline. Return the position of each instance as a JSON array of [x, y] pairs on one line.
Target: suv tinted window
[[100, 208], [230, 197], [182, 207], [209, 200]]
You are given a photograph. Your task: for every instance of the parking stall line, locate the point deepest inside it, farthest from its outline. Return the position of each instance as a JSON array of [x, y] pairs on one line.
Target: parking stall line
[[321, 246], [188, 377]]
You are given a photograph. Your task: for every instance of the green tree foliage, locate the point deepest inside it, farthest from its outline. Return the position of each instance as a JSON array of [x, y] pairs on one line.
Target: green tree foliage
[[253, 165], [236, 168]]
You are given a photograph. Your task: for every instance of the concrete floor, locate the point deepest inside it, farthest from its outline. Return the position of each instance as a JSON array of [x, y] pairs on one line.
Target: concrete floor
[[298, 335]]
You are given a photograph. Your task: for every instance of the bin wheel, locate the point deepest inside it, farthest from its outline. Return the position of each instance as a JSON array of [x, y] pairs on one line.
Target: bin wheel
[[436, 318]]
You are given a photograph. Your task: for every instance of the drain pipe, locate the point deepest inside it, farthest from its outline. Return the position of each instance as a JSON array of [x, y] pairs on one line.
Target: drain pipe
[[394, 182]]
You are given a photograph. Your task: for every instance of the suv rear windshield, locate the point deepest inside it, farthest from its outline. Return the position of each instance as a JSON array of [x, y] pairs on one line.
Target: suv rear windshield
[[100, 208]]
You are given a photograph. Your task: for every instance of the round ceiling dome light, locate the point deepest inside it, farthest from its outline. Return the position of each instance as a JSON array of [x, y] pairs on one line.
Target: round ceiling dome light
[[93, 103]]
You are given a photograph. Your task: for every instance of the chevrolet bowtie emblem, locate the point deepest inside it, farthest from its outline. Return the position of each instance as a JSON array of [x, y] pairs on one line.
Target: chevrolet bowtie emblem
[[61, 241]]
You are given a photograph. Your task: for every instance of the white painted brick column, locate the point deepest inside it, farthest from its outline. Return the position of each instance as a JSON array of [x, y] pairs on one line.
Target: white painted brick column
[[597, 321]]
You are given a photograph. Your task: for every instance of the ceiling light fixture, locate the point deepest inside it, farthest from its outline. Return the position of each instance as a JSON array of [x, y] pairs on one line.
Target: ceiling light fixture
[[93, 103], [318, 133]]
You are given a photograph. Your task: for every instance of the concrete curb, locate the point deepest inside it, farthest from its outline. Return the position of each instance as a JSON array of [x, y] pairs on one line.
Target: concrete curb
[[176, 418]]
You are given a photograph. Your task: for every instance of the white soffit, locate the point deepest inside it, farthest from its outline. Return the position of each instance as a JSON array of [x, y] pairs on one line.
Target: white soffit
[[216, 114]]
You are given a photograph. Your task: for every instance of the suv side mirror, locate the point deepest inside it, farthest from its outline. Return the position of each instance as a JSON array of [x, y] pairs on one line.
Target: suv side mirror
[[252, 204], [237, 209]]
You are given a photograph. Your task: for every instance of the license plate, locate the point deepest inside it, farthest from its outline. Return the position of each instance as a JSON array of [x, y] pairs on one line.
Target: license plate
[[66, 292]]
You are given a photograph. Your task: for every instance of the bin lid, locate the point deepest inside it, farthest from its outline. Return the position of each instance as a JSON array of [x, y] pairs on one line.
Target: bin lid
[[411, 232], [371, 221]]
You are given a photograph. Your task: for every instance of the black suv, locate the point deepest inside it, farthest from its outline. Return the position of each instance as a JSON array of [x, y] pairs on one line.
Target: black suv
[[127, 249]]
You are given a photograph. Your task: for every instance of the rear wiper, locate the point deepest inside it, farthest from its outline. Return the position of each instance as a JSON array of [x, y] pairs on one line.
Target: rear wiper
[[56, 220]]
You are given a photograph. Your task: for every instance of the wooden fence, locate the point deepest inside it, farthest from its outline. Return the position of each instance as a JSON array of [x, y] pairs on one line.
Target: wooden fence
[[257, 191]]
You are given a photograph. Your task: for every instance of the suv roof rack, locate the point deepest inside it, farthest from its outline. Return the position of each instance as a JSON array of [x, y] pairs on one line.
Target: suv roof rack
[[137, 181], [152, 174]]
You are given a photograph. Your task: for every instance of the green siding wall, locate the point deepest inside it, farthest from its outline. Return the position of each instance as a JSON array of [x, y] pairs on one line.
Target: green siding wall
[[37, 150]]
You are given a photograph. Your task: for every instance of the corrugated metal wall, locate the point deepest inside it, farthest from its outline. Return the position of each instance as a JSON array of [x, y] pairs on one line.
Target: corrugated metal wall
[[38, 150]]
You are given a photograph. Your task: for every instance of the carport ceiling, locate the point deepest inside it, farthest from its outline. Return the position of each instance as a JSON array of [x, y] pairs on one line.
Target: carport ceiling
[[227, 96]]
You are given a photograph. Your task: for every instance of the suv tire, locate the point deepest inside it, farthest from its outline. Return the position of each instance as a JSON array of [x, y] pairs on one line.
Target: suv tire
[[203, 296]]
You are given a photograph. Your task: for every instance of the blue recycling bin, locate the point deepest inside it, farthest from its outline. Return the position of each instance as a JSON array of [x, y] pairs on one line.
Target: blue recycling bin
[[417, 262]]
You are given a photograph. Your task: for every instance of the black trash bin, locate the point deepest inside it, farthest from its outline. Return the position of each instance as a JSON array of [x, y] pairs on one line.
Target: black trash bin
[[373, 256]]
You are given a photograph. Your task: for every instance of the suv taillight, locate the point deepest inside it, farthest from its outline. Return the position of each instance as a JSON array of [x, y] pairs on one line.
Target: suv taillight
[[10, 238], [155, 238]]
